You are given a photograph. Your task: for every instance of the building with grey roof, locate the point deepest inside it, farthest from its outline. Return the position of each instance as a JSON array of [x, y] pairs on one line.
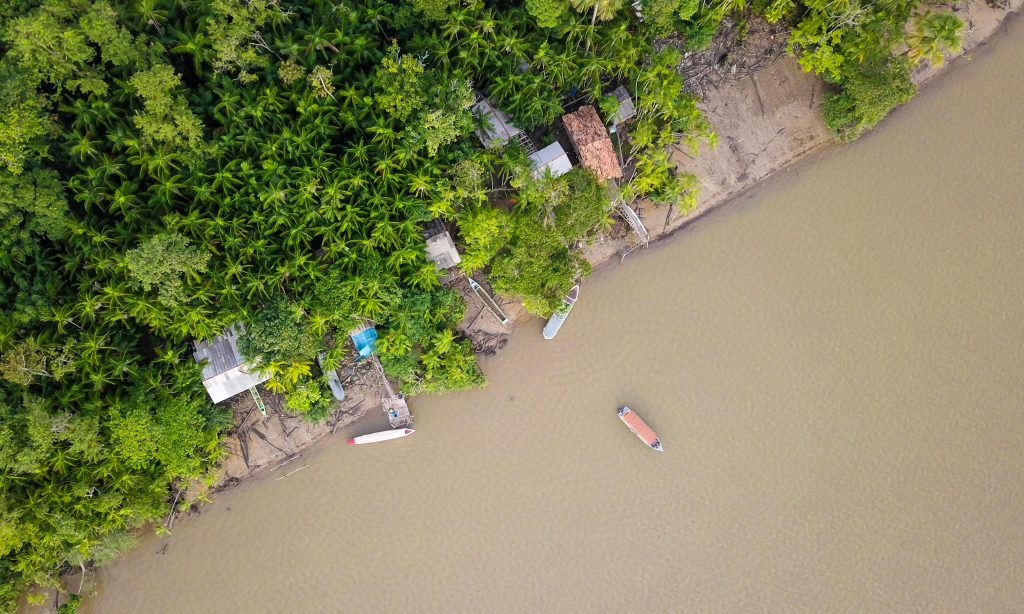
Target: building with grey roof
[[226, 372], [552, 158], [496, 127], [626, 110], [441, 251]]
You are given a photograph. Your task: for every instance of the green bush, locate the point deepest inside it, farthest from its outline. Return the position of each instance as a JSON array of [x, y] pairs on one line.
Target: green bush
[[867, 93]]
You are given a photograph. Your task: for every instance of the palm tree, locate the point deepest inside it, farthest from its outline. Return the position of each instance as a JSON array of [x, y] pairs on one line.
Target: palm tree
[[933, 35]]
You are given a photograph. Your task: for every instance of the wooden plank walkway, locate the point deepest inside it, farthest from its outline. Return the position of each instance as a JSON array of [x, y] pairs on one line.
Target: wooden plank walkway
[[395, 407]]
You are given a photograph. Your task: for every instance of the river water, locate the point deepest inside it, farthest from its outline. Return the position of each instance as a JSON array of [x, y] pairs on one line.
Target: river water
[[834, 365]]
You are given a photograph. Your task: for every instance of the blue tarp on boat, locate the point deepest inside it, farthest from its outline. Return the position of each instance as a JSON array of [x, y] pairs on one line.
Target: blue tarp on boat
[[364, 340]]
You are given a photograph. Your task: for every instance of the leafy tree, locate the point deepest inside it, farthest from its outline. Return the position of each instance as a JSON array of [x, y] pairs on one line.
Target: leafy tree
[[485, 230], [24, 122], [320, 81], [279, 333], [435, 10], [163, 262], [541, 262], [662, 17], [233, 34], [869, 92], [311, 400], [598, 9], [166, 117], [46, 45], [450, 117], [32, 206], [70, 606], [547, 12], [134, 437], [400, 84], [290, 72], [25, 362], [933, 35]]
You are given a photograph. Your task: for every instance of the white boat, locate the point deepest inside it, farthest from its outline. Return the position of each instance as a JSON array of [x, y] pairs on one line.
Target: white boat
[[555, 323], [381, 436]]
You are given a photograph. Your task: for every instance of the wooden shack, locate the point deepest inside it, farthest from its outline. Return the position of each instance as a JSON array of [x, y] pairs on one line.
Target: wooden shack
[[496, 128], [441, 251], [226, 372], [626, 110], [552, 159], [590, 139]]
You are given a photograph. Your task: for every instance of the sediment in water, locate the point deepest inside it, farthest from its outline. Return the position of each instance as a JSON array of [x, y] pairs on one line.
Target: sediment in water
[[767, 120]]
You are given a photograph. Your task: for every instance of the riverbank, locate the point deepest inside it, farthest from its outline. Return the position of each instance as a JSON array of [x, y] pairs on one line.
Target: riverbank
[[836, 381], [767, 117]]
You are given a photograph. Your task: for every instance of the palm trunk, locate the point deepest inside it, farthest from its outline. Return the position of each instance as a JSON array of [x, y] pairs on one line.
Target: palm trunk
[[590, 34]]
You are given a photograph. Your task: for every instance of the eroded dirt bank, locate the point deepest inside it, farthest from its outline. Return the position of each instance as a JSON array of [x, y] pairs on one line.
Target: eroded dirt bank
[[766, 112]]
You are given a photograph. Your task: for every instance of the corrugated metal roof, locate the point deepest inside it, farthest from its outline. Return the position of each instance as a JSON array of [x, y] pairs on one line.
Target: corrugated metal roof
[[232, 382], [225, 373], [552, 158], [441, 251], [626, 109], [498, 127]]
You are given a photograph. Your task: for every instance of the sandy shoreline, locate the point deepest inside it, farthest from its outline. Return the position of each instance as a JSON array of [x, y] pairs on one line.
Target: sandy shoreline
[[766, 122]]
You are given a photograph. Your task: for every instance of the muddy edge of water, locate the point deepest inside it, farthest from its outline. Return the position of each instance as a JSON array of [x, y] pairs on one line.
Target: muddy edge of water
[[837, 381], [610, 258]]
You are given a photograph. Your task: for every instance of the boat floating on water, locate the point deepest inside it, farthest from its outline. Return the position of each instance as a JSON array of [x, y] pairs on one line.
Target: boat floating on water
[[381, 436], [640, 428], [555, 323]]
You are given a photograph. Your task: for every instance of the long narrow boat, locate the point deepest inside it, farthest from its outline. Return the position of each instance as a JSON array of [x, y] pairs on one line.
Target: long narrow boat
[[381, 436], [488, 302], [640, 428], [555, 323]]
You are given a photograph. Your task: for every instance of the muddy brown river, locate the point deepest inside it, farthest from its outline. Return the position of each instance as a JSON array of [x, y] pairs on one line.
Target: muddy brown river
[[834, 364]]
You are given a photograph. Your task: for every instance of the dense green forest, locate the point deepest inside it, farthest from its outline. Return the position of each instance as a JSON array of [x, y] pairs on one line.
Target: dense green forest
[[171, 167]]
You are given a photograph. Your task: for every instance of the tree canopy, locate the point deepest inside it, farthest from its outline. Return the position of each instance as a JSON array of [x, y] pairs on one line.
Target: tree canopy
[[170, 169]]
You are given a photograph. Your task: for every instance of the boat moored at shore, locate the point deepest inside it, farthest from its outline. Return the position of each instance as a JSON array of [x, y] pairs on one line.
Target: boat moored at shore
[[555, 323], [640, 428], [380, 436]]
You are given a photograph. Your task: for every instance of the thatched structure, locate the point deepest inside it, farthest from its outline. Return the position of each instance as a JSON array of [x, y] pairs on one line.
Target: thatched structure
[[590, 138]]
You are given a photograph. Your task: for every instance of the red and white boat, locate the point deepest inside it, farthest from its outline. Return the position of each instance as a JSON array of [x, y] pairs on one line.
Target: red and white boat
[[640, 428], [381, 436]]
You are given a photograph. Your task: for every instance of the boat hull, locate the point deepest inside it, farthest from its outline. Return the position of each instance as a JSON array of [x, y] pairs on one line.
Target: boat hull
[[556, 320], [555, 323], [381, 436], [640, 428]]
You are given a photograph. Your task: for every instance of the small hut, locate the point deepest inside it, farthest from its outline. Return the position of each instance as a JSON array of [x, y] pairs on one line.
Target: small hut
[[365, 340], [497, 128], [552, 158], [626, 111], [590, 139], [441, 251], [226, 372]]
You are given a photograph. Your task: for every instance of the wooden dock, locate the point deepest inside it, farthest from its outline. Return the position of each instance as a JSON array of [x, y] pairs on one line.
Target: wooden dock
[[397, 411], [488, 302], [395, 407]]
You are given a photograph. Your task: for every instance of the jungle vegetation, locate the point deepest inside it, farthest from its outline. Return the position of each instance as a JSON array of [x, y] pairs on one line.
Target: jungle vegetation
[[171, 167]]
